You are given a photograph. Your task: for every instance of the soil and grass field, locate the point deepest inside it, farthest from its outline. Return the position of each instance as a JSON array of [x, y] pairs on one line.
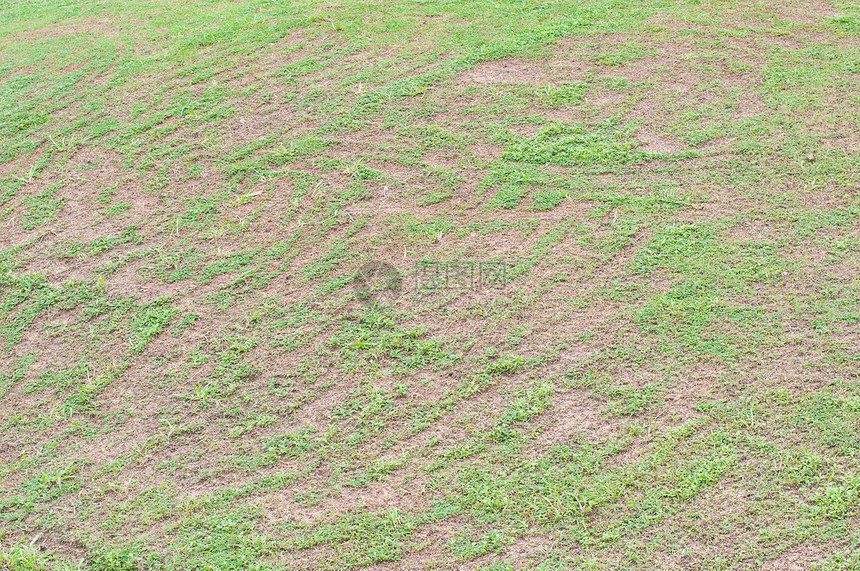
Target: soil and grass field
[[192, 377]]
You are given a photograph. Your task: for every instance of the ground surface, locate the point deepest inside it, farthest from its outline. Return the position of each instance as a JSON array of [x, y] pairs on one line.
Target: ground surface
[[669, 379]]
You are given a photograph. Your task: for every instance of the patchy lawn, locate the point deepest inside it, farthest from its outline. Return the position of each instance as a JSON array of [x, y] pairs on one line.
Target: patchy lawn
[[226, 341]]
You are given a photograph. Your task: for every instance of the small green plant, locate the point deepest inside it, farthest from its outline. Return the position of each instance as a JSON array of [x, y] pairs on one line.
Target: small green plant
[[508, 197], [547, 199], [43, 208], [568, 145], [561, 94]]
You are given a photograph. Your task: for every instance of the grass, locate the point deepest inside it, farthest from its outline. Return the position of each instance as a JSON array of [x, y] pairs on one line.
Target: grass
[[668, 378]]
